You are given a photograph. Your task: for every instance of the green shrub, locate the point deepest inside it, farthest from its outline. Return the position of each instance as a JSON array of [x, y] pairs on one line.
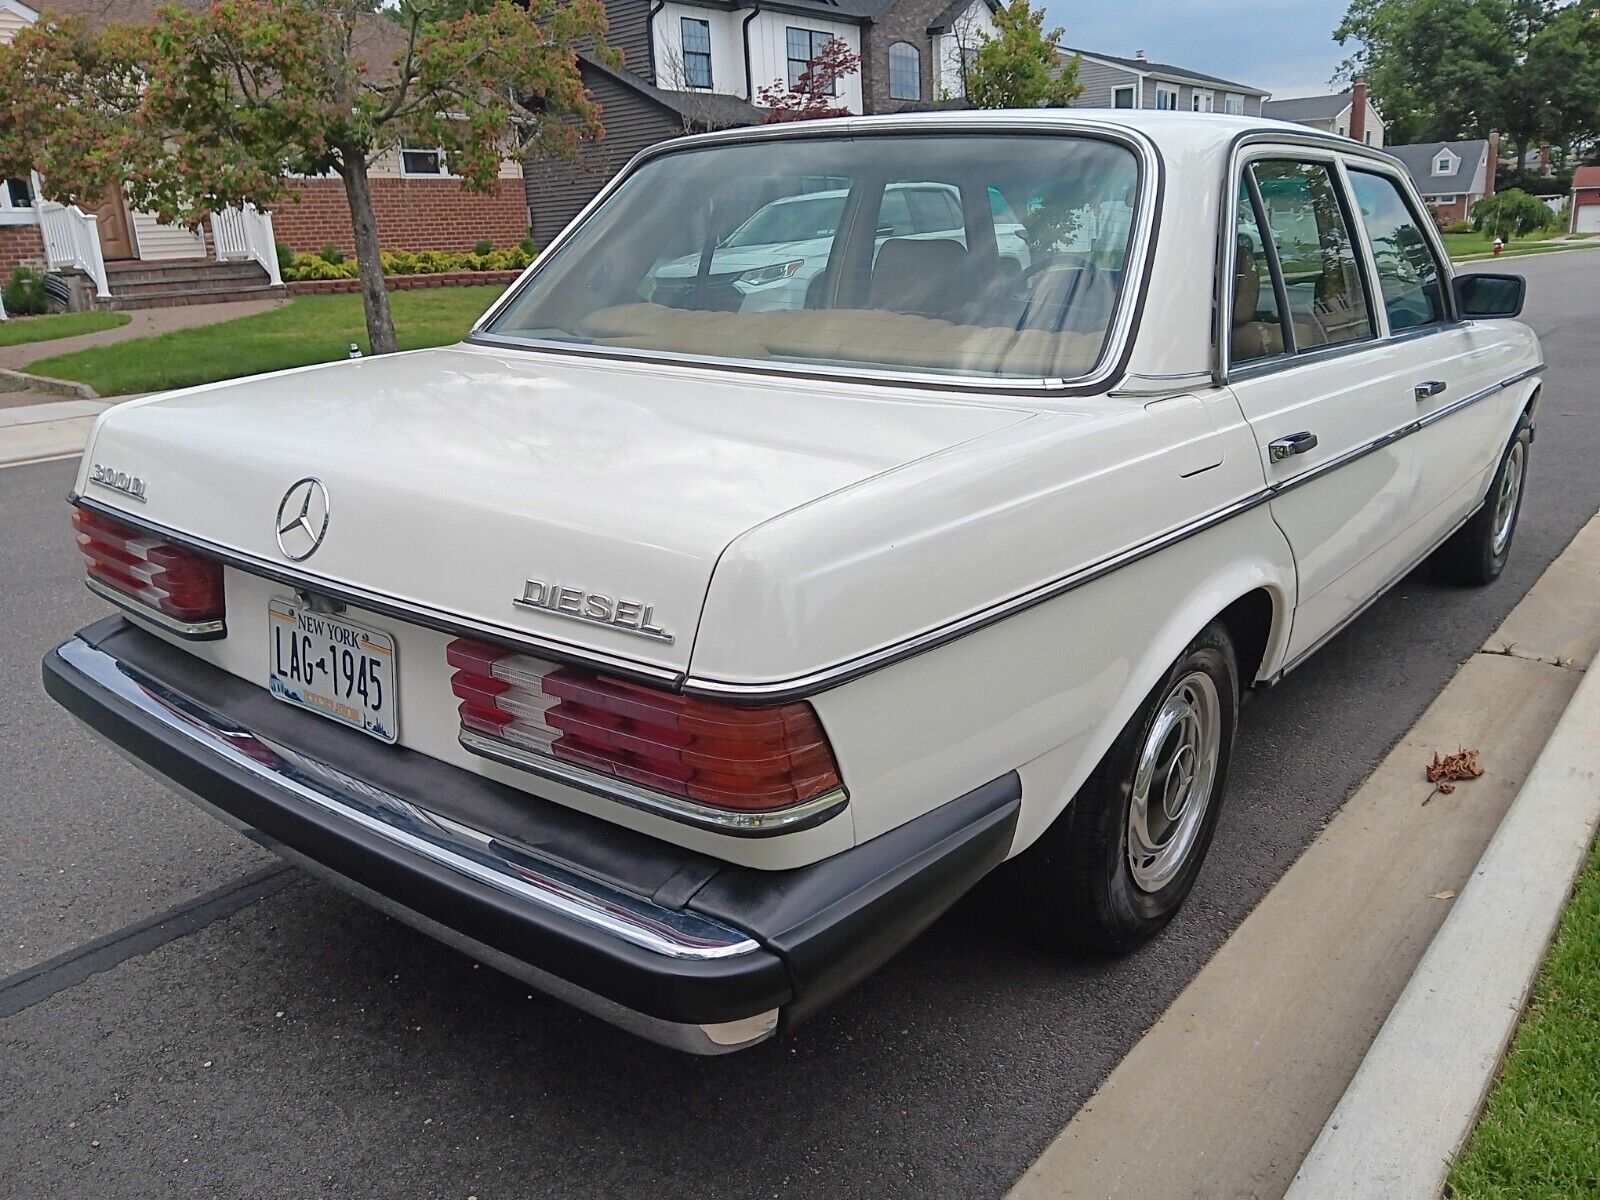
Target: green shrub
[[527, 247], [331, 254], [314, 266], [25, 294], [410, 262], [483, 248], [1511, 213], [285, 257], [1458, 227]]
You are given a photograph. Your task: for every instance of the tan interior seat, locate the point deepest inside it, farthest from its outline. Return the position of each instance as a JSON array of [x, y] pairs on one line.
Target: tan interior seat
[[1251, 338]]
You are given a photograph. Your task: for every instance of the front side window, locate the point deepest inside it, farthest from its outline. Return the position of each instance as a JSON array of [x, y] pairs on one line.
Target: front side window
[[803, 46], [1409, 275], [1257, 329], [1316, 253], [696, 36], [863, 252], [905, 72]]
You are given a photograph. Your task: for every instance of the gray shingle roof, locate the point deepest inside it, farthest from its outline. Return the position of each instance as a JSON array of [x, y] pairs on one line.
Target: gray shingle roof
[[1418, 160], [712, 110], [1307, 108], [1167, 70]]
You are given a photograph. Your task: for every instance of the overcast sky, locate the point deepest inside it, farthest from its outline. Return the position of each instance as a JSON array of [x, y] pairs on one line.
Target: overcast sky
[[1285, 46]]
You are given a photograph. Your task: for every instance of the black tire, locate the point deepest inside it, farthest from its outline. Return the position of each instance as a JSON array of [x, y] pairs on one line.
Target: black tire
[[1078, 879], [1477, 552]]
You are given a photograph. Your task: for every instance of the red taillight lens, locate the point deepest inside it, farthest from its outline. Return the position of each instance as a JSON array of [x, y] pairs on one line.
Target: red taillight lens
[[170, 579], [745, 759]]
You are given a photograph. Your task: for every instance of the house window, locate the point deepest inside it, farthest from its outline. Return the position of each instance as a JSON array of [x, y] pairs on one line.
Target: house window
[[1122, 98], [1444, 163], [905, 72], [1442, 200], [1166, 98], [696, 52], [1203, 102], [1233, 105], [803, 46], [422, 162], [15, 193]]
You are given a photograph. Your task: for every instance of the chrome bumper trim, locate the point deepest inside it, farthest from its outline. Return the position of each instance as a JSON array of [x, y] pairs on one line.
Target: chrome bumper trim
[[460, 848], [804, 815]]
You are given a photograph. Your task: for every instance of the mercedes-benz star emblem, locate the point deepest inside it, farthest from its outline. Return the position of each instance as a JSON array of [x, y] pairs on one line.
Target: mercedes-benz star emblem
[[302, 518]]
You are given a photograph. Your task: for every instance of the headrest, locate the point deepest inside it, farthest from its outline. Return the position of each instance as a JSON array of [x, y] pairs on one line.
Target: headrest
[[914, 275]]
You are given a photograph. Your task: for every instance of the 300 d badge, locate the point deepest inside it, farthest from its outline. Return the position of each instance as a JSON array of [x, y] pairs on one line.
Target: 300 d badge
[[118, 481]]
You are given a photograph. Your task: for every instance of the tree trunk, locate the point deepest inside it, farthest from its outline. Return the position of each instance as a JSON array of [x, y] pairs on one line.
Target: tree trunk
[[374, 296]]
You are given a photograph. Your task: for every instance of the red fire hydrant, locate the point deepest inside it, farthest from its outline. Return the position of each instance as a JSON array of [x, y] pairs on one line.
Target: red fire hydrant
[[1498, 246]]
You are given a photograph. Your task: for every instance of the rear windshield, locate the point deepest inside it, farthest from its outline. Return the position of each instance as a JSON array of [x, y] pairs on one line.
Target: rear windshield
[[998, 256]]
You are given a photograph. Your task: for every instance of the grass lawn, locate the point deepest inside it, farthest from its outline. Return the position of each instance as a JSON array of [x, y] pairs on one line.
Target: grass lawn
[[309, 329], [1539, 1136], [1459, 244], [19, 330]]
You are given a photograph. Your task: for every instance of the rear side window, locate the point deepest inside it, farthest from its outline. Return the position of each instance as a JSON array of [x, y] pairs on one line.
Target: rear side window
[[1316, 253], [1257, 328], [1409, 276]]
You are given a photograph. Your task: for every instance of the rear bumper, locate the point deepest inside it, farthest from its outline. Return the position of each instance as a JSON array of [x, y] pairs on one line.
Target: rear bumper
[[670, 944]]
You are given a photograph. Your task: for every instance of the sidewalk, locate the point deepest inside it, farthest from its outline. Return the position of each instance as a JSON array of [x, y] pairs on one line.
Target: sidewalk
[[1229, 1090], [49, 429], [146, 322]]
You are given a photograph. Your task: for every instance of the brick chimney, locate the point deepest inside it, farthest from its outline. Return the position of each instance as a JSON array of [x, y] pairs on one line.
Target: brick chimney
[[1358, 110], [1494, 164]]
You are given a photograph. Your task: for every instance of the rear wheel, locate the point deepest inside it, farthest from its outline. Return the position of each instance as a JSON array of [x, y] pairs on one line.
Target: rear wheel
[[1478, 551], [1123, 856]]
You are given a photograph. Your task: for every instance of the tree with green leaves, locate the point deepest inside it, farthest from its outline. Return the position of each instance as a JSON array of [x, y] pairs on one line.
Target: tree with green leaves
[[1018, 66], [1511, 213], [1446, 69], [222, 106]]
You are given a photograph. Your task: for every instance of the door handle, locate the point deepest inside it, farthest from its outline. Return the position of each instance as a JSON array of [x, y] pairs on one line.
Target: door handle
[[1431, 387], [1287, 447]]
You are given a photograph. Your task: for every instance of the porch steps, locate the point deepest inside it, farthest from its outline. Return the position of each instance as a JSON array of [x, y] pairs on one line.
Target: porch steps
[[182, 281]]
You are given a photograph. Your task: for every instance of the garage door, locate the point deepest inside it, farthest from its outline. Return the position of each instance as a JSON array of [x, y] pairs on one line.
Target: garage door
[[1588, 219]]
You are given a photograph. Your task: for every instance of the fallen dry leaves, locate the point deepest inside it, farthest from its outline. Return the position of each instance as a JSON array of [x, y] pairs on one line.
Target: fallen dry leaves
[[1445, 771]]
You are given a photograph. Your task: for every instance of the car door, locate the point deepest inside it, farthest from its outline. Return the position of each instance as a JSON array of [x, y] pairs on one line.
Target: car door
[[1442, 363], [1306, 358]]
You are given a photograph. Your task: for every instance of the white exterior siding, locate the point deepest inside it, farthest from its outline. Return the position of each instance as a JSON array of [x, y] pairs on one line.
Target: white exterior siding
[[727, 48], [153, 240], [769, 51], [970, 28]]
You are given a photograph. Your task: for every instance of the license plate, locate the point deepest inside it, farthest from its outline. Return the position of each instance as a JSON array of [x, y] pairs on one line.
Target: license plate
[[333, 667]]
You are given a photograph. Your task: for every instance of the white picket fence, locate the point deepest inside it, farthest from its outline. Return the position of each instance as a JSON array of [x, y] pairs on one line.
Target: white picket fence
[[246, 233], [72, 242]]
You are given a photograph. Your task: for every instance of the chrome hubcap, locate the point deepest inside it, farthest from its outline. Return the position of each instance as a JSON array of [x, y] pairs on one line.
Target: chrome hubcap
[[1505, 501], [1172, 782]]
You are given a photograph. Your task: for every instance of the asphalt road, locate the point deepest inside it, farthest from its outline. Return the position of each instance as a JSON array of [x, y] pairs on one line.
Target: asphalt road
[[305, 1046]]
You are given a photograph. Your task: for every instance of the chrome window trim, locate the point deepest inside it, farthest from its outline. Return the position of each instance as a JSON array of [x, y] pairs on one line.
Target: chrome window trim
[[805, 815], [404, 610], [460, 848], [1120, 334], [194, 631], [829, 677]]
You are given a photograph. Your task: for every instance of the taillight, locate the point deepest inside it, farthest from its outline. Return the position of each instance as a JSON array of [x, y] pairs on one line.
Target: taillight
[[128, 564], [741, 759]]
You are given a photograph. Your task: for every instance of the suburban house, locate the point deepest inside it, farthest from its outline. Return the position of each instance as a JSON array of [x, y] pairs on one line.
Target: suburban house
[[693, 65], [1452, 176], [1348, 114], [1112, 82], [131, 260], [1586, 200]]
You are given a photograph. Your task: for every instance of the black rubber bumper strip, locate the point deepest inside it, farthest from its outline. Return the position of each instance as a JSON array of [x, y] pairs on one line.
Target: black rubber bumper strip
[[821, 928]]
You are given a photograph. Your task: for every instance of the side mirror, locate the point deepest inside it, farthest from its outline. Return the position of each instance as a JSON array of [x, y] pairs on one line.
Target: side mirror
[[1490, 295]]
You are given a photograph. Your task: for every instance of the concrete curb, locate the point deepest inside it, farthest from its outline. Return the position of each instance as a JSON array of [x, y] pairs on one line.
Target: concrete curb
[[44, 383], [32, 432], [1416, 1096]]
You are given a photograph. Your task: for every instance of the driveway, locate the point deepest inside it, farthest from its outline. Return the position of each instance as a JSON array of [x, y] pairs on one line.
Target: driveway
[[302, 1045]]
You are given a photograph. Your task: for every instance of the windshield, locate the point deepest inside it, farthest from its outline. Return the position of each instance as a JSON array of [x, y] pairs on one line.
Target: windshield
[[995, 256], [791, 221]]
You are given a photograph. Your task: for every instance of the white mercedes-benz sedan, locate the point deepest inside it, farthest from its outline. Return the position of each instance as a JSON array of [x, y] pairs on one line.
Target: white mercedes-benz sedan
[[686, 654]]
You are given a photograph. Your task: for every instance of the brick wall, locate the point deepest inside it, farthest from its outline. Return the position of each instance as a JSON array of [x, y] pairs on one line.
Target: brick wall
[[19, 244], [906, 21], [413, 214]]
